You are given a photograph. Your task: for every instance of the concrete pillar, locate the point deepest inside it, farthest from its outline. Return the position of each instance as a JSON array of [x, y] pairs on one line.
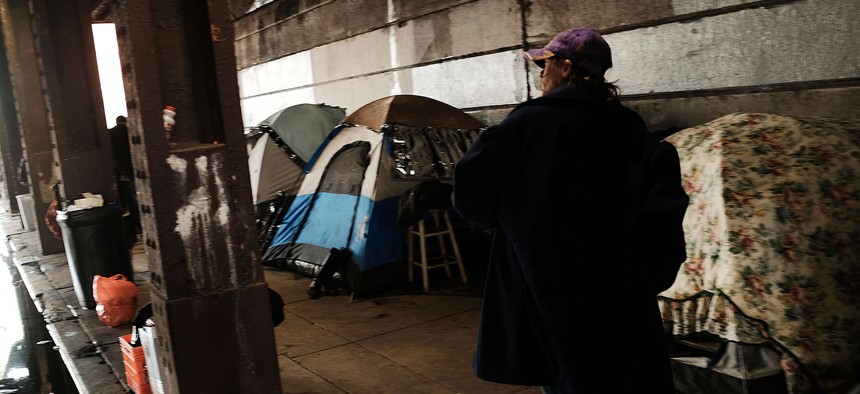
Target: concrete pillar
[[33, 115], [10, 136], [209, 296], [74, 100]]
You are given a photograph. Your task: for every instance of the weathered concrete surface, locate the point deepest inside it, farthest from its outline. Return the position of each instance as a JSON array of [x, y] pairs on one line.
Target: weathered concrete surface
[[545, 18], [661, 114], [285, 28], [347, 72], [194, 193], [464, 84], [403, 341], [469, 55], [32, 113], [797, 42], [89, 348]]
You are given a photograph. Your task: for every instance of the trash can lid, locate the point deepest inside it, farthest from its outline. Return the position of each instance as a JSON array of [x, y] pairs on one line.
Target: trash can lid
[[79, 217]]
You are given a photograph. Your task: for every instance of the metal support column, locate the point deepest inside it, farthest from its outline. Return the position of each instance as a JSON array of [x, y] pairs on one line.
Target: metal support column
[[209, 296]]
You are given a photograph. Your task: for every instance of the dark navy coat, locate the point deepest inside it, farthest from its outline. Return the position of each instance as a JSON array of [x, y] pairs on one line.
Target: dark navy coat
[[587, 210]]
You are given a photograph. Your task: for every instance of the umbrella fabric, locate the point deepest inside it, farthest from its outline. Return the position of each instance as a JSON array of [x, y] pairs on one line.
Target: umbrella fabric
[[773, 242]]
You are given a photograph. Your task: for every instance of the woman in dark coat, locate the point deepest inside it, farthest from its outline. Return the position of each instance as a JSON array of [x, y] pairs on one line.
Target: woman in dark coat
[[587, 209]]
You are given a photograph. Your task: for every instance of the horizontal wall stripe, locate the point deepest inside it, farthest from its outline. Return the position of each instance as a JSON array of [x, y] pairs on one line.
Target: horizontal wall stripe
[[683, 112], [729, 91], [286, 73], [462, 84], [486, 80], [750, 47], [688, 11], [256, 109], [710, 48], [281, 28]]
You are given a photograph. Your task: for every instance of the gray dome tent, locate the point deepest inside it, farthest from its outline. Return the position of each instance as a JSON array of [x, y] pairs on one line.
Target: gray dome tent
[[290, 137]]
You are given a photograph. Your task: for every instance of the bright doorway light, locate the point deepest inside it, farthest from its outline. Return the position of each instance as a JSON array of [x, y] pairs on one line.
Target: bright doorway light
[[110, 72]]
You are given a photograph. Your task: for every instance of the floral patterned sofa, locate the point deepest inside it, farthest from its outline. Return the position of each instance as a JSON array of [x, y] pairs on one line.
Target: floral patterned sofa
[[773, 242]]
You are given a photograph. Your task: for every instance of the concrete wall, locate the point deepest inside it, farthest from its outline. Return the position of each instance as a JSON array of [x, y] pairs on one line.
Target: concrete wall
[[679, 63]]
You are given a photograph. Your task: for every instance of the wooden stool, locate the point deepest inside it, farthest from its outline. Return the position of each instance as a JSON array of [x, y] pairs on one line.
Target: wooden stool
[[441, 231]]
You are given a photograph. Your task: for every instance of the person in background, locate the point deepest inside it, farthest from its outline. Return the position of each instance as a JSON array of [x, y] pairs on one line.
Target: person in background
[[23, 175], [125, 178], [587, 209]]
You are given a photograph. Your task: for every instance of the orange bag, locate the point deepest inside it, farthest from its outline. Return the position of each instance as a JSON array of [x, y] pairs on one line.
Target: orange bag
[[116, 299], [51, 220]]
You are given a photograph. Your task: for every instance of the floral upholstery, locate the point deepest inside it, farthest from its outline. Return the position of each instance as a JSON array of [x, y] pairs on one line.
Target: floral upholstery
[[773, 242]]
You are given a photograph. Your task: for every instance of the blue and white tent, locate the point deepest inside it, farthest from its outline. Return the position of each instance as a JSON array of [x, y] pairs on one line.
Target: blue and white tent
[[350, 198]]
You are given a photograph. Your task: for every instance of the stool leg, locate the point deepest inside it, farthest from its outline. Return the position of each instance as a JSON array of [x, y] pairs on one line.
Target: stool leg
[[441, 239], [410, 251], [455, 247], [423, 244]]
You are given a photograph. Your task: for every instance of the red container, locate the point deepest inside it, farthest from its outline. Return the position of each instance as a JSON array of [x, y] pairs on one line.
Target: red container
[[135, 366]]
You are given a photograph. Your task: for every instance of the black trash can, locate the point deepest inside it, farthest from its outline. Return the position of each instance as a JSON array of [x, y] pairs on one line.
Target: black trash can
[[95, 244]]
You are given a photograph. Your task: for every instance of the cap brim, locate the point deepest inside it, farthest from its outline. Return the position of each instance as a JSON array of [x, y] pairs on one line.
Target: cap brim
[[538, 54]]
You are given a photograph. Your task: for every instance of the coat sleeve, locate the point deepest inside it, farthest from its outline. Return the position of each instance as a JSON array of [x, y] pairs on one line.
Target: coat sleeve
[[663, 213], [477, 179]]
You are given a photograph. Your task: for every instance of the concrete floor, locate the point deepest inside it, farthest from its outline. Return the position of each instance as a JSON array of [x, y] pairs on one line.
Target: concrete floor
[[397, 342], [403, 341]]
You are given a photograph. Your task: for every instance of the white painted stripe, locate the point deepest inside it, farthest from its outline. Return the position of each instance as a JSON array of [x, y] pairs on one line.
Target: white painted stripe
[[363, 54], [276, 75], [256, 109], [495, 79], [392, 49], [392, 16]]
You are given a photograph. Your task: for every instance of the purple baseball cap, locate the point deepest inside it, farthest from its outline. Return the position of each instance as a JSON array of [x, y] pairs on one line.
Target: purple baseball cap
[[584, 47]]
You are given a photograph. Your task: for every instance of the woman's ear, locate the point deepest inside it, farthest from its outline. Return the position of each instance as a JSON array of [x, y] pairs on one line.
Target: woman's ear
[[566, 68]]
